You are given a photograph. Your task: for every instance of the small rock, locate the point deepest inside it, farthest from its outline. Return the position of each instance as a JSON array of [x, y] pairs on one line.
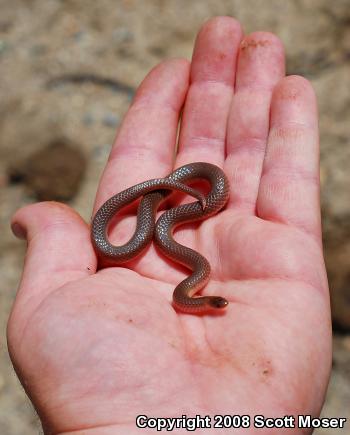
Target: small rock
[[110, 120], [158, 50], [3, 46], [53, 173], [122, 34], [88, 119], [79, 36], [101, 152]]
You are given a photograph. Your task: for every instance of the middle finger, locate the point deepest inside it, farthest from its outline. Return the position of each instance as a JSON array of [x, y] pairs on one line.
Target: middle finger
[[203, 128]]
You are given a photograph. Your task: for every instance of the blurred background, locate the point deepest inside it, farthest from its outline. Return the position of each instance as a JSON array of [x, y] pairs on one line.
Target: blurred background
[[68, 70]]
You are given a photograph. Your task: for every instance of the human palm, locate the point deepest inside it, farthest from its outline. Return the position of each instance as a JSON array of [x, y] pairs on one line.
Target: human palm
[[94, 349]]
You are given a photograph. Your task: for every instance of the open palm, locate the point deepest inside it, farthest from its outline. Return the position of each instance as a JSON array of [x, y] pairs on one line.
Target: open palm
[[95, 349]]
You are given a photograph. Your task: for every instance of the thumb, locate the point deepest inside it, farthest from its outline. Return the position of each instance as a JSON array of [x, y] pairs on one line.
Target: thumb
[[59, 251]]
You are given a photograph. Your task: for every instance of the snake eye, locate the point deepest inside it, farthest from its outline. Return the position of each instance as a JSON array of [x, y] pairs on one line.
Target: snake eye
[[218, 302]]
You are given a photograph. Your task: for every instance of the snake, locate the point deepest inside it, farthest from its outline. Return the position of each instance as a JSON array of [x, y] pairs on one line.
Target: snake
[[152, 193]]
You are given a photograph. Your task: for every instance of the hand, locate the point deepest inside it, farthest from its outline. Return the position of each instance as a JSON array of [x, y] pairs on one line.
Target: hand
[[94, 349]]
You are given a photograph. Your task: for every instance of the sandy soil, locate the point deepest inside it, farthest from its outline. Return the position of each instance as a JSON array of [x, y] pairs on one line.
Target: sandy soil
[[68, 71]]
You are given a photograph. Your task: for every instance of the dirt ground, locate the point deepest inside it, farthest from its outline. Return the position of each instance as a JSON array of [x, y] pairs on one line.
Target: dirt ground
[[68, 71]]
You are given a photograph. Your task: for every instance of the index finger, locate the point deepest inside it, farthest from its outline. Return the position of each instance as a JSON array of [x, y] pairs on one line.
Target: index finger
[[145, 144]]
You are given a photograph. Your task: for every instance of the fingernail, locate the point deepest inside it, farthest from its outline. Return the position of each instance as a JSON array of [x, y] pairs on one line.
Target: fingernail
[[19, 231]]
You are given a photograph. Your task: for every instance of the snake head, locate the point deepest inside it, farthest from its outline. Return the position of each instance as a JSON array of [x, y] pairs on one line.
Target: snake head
[[217, 302]]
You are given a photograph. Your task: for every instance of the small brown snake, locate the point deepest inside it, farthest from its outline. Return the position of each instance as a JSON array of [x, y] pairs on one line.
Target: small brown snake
[[153, 193]]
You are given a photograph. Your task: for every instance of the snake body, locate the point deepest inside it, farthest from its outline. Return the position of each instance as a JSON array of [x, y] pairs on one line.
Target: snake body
[[153, 192]]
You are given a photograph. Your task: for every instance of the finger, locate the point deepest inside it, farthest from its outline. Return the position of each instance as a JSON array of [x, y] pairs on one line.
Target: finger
[[59, 250], [145, 144], [289, 188], [203, 130], [260, 67]]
